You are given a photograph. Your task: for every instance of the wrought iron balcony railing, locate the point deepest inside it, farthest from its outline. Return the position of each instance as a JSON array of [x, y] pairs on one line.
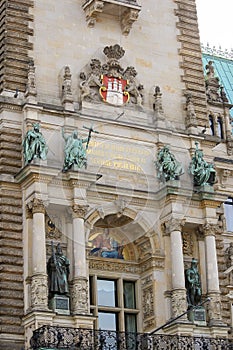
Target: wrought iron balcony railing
[[51, 337]]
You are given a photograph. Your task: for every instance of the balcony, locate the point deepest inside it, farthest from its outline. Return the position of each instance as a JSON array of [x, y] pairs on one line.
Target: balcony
[[51, 337], [126, 10]]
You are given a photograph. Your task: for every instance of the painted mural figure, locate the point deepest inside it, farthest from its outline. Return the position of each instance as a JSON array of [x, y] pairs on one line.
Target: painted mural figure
[[58, 272], [75, 153], [167, 166], [193, 284], [203, 172], [107, 247], [34, 145]]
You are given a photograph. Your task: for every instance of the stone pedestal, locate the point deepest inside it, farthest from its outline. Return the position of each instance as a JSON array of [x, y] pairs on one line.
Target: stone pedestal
[[198, 316], [60, 304]]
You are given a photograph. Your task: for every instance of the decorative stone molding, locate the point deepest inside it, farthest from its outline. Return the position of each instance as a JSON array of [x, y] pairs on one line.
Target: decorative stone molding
[[39, 292], [214, 309], [113, 266], [179, 303], [37, 206], [191, 118], [28, 212], [31, 90], [187, 244], [67, 96], [210, 229], [148, 302], [52, 232], [79, 296], [128, 10], [173, 224], [79, 211]]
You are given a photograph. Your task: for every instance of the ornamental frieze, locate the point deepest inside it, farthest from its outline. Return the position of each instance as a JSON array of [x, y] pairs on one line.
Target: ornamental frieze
[[114, 266], [109, 82]]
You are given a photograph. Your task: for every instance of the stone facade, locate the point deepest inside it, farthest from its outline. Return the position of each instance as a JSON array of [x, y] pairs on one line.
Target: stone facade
[[135, 83]]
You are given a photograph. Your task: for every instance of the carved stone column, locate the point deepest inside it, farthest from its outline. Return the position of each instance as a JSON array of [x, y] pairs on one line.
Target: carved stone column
[[213, 291], [179, 303], [39, 284], [79, 294]]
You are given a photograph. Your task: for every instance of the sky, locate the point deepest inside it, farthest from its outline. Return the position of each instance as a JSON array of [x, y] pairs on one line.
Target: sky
[[215, 22]]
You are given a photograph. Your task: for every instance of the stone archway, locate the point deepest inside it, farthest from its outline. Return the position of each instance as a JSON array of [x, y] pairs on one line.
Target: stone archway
[[126, 227]]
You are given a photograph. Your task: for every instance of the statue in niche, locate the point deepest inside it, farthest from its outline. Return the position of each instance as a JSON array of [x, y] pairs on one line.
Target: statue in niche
[[193, 284], [58, 272], [203, 172], [34, 145], [168, 167], [106, 246], [75, 153]]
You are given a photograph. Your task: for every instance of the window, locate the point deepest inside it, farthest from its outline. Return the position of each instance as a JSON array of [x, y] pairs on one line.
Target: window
[[220, 128], [113, 301], [211, 124], [228, 210]]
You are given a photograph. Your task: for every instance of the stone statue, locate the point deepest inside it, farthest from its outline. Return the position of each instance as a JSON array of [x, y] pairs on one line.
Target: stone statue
[[168, 167], [58, 272], [193, 284], [203, 172], [75, 153], [229, 255], [34, 145]]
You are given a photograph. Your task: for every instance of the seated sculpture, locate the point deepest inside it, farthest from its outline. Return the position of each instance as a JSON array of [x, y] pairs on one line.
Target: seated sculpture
[[34, 145], [75, 153], [168, 167], [203, 172]]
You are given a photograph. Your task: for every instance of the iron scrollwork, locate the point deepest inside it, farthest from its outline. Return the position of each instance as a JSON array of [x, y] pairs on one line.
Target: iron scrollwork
[[52, 337]]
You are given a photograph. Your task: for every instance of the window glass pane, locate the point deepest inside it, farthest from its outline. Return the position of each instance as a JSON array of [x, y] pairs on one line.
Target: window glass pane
[[129, 295], [106, 291], [107, 321], [130, 323], [228, 210]]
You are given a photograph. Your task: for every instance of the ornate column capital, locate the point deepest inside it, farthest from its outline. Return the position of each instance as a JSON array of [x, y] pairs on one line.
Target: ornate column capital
[[79, 211], [173, 224], [36, 206], [210, 229]]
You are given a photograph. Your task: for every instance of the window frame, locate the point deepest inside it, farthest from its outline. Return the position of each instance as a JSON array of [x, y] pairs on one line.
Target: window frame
[[120, 308]]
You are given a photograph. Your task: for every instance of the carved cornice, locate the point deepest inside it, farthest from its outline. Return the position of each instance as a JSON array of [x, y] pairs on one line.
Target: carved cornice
[[79, 211], [173, 224]]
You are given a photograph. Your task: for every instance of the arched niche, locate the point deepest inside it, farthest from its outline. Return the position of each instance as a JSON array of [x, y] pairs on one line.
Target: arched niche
[[122, 234]]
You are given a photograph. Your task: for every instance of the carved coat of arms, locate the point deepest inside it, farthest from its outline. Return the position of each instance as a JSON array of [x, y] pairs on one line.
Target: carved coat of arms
[[109, 82], [113, 90]]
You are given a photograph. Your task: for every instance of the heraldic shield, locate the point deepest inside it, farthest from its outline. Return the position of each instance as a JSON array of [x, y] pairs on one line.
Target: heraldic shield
[[113, 91]]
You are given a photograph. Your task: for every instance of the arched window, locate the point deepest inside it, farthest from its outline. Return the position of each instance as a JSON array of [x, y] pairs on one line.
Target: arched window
[[211, 124], [220, 128]]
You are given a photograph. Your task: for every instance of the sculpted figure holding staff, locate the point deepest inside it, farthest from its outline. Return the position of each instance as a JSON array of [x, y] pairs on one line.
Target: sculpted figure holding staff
[[58, 272]]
